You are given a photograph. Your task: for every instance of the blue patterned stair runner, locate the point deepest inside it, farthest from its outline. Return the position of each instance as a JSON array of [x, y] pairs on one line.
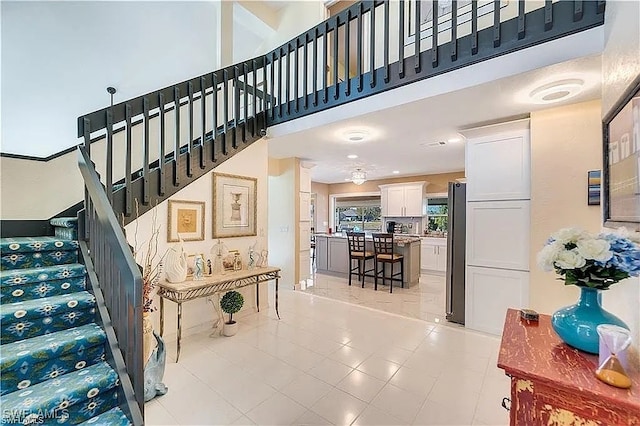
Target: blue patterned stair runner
[[65, 227], [52, 353]]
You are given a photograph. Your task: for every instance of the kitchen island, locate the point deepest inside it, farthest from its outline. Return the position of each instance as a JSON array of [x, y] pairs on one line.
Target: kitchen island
[[332, 257]]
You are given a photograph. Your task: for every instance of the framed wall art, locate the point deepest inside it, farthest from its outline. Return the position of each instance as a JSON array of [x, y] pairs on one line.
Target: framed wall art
[[185, 219], [593, 187], [621, 155], [234, 205]]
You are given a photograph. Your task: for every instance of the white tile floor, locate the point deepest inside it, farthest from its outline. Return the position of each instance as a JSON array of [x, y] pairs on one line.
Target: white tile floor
[[330, 362], [425, 301]]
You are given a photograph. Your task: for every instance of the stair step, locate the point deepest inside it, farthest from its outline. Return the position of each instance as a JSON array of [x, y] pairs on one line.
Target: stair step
[[113, 417], [32, 252], [77, 396], [31, 361], [65, 222], [22, 284], [23, 320]]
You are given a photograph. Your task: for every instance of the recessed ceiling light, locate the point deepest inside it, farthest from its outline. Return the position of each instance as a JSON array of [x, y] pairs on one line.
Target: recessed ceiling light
[[356, 135], [453, 140], [352, 156], [556, 91], [395, 172]]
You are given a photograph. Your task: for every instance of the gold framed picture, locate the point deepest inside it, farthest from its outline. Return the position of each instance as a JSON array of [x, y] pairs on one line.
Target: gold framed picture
[[185, 220], [234, 205]]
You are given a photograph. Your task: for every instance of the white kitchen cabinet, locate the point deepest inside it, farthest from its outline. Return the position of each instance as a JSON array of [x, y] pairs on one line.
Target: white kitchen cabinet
[[433, 255], [498, 164], [402, 200], [498, 234], [489, 293]]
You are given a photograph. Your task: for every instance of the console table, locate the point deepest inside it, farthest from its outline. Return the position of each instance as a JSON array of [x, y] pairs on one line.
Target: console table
[[211, 285], [554, 384]]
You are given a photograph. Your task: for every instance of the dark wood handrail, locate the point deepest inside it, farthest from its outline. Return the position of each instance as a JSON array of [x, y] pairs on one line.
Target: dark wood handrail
[[117, 284]]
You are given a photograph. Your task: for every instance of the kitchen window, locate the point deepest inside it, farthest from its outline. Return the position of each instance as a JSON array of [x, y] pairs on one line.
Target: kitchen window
[[437, 214], [359, 214]]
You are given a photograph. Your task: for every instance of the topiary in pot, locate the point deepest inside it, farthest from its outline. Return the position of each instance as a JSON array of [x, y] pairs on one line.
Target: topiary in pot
[[231, 303]]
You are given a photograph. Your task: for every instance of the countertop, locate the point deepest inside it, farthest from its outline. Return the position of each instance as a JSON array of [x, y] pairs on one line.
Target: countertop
[[397, 238]]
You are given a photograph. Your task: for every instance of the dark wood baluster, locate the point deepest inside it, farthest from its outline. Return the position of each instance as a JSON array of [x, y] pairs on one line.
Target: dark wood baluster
[[416, 40], [265, 90], [161, 148], [272, 97], [359, 48], [434, 35], [325, 63], [315, 67], [190, 150], [225, 90], [203, 120], [372, 43], [387, 7], [336, 48], [577, 10], [128, 198], [86, 130], [109, 159], [236, 106], [454, 30], [521, 18], [347, 77], [305, 71], [296, 66], [548, 15], [146, 192], [176, 149], [288, 79], [245, 99], [474, 27], [280, 103], [254, 98], [496, 23], [214, 113], [401, 40]]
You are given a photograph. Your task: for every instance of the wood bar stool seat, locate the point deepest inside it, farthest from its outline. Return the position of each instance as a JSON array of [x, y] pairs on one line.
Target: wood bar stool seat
[[359, 253], [383, 253]]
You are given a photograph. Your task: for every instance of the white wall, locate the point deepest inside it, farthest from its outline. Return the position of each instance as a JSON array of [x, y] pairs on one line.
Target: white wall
[[58, 58], [252, 162], [620, 66], [282, 217]]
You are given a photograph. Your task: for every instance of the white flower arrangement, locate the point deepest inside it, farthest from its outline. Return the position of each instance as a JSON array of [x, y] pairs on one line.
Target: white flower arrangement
[[595, 261]]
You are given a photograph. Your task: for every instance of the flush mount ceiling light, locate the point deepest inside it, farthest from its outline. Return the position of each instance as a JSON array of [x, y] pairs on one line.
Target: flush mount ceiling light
[[556, 91], [358, 177], [395, 172], [356, 135], [352, 156]]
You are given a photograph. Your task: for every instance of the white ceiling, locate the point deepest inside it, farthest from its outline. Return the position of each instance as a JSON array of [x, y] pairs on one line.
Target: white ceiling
[[398, 134]]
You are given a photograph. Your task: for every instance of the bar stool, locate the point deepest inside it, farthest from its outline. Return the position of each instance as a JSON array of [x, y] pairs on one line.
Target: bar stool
[[357, 251], [383, 252]]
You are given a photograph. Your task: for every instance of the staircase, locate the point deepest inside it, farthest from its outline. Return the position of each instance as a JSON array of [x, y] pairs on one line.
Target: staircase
[[53, 354]]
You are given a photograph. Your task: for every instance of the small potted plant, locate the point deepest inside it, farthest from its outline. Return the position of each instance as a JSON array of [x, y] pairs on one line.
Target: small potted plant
[[231, 303]]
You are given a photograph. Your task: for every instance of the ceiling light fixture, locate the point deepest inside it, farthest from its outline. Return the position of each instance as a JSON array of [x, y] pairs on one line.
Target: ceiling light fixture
[[454, 140], [358, 177], [556, 91], [352, 156], [395, 172], [356, 135]]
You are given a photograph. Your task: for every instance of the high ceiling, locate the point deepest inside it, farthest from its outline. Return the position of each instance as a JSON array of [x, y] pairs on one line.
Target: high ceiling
[[399, 137]]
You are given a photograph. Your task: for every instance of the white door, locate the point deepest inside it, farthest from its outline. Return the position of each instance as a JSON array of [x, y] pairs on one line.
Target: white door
[[413, 201], [395, 201]]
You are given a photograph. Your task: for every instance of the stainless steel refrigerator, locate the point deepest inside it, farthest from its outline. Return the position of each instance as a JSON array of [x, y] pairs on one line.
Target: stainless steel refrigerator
[[456, 240]]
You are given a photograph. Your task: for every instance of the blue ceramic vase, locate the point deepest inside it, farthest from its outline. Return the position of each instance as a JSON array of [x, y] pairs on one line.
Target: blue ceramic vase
[[576, 324]]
